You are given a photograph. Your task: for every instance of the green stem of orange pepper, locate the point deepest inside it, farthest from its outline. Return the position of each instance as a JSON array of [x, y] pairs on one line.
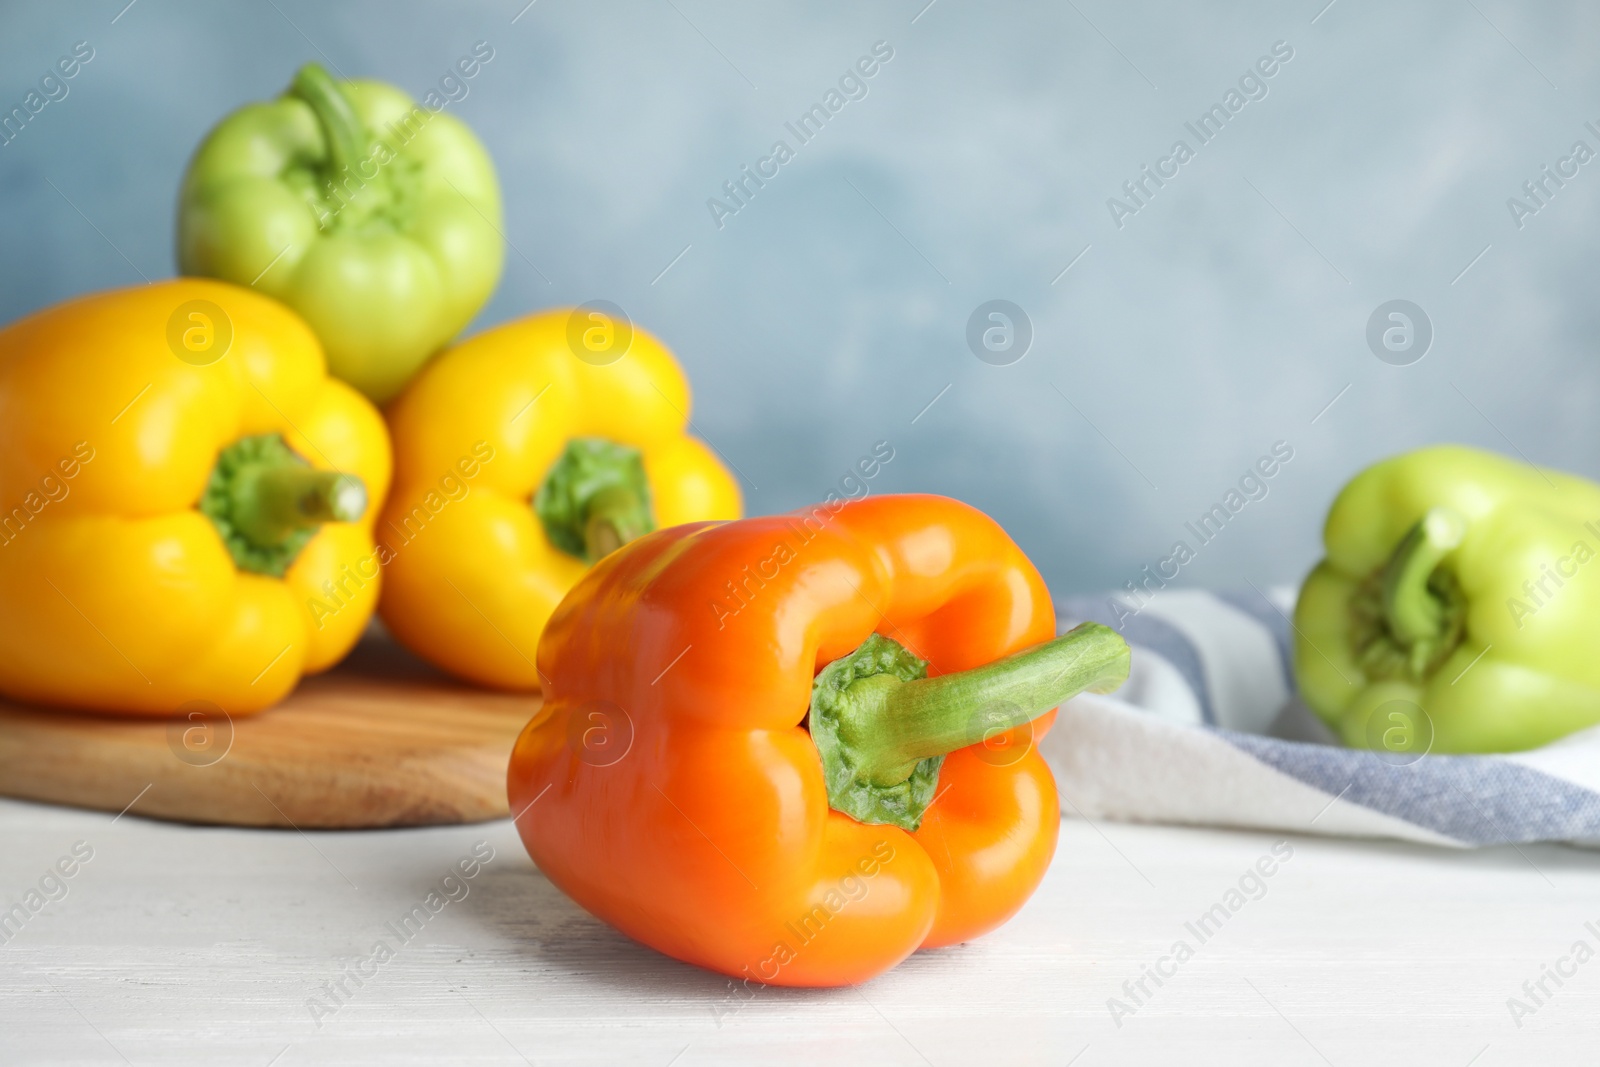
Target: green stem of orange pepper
[[883, 729]]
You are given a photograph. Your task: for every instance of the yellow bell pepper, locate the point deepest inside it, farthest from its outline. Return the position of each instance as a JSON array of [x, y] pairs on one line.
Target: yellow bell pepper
[[180, 482], [521, 456]]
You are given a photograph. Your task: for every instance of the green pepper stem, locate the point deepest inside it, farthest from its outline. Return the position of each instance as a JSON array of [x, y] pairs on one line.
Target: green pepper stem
[[346, 134], [905, 722], [1411, 611], [271, 502]]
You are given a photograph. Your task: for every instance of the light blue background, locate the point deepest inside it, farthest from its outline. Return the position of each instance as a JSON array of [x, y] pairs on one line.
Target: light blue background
[[824, 316]]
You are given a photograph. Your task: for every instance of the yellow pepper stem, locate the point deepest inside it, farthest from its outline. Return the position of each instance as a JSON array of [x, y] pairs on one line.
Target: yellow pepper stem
[[271, 503], [615, 517], [266, 502], [595, 498]]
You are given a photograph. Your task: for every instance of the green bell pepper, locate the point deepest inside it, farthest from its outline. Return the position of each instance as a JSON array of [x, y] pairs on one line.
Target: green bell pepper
[[374, 218], [1455, 609]]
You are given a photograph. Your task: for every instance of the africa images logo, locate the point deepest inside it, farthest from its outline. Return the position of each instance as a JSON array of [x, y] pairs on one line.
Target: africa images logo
[[1207, 127], [852, 85]]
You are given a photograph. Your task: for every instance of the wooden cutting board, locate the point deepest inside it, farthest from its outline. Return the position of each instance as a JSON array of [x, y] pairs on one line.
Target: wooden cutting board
[[381, 740]]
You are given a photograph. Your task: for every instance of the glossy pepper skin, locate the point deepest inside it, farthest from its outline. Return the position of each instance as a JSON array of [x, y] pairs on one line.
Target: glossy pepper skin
[[117, 593], [1455, 606], [486, 439], [669, 783], [378, 220]]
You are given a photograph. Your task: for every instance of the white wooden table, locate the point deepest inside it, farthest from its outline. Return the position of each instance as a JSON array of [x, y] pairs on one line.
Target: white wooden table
[[177, 944]]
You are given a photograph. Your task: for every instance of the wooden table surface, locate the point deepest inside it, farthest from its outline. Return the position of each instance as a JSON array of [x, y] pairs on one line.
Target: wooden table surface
[[196, 945]]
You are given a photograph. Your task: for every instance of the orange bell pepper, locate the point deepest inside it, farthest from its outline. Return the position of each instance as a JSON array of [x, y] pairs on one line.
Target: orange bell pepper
[[738, 764]]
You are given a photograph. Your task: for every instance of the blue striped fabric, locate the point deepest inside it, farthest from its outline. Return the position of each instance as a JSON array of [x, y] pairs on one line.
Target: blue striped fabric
[[1157, 635], [1208, 730], [1479, 800]]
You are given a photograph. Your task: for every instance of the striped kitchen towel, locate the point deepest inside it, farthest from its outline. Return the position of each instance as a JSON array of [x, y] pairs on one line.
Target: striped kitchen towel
[[1208, 730]]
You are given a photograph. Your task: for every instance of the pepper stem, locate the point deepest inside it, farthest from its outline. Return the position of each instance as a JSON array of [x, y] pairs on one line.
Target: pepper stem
[[883, 728], [1413, 612], [616, 516], [271, 503], [346, 134], [595, 499], [267, 502], [935, 716]]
